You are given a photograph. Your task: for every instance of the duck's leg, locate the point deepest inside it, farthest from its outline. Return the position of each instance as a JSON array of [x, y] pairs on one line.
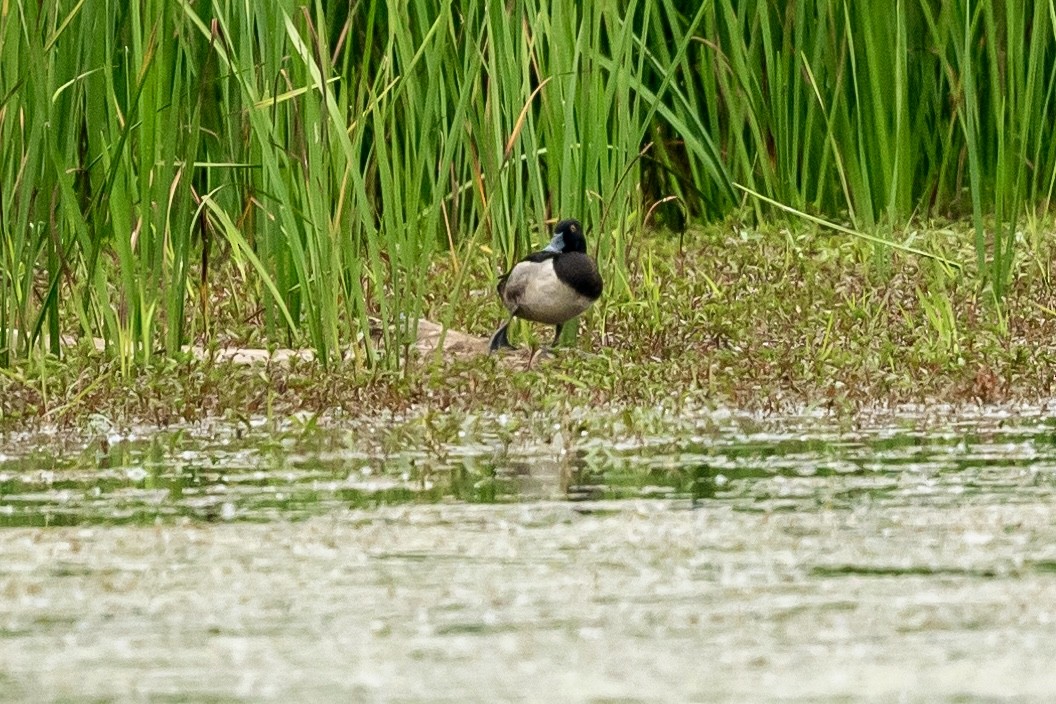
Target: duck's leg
[[557, 334], [548, 350], [499, 339]]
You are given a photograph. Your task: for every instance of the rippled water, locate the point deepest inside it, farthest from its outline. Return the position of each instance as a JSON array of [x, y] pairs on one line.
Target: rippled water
[[261, 473], [642, 557]]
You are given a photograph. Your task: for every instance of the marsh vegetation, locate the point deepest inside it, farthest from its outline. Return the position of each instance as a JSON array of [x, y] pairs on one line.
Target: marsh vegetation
[[297, 174]]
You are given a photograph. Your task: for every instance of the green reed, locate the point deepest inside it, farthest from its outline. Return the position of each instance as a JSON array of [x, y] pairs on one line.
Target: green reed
[[287, 172]]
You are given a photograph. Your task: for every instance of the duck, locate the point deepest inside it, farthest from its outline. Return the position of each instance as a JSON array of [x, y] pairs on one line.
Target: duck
[[551, 286]]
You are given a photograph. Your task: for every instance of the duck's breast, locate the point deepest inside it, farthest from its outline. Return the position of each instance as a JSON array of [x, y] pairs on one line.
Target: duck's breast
[[534, 291]]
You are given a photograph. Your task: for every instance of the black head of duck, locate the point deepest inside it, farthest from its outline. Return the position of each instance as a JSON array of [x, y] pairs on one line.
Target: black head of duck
[[551, 286]]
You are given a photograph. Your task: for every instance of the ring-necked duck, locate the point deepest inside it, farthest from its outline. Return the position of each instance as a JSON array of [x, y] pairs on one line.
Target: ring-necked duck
[[551, 286]]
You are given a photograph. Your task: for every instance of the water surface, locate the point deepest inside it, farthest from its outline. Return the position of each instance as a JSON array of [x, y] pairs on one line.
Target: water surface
[[636, 557]]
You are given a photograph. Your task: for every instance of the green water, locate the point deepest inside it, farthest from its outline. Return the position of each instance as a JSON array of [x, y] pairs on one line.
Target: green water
[[639, 557], [263, 473]]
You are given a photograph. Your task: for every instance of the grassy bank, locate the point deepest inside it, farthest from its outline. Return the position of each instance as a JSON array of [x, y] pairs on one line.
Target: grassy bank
[[327, 158], [727, 315]]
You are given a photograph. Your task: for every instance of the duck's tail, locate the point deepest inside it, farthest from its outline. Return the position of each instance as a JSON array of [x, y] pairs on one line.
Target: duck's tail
[[499, 339]]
